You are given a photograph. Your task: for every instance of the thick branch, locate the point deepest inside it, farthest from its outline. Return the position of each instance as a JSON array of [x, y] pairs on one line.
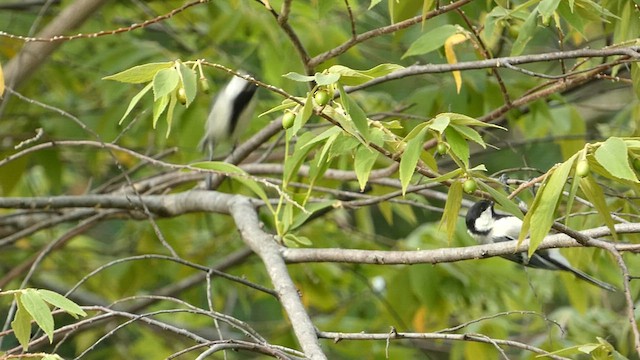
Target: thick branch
[[437, 256], [263, 244]]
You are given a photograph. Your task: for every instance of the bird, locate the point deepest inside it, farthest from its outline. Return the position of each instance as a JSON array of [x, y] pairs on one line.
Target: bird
[[229, 115], [487, 227]]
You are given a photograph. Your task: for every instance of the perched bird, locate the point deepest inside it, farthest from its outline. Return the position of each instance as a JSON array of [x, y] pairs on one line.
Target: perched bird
[[487, 226], [230, 113]]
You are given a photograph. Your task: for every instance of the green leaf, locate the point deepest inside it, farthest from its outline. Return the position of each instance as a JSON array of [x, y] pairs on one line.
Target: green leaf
[[21, 324], [293, 162], [39, 311], [301, 217], [159, 106], [635, 78], [134, 101], [410, 158], [451, 209], [189, 82], [231, 169], [165, 82], [440, 123], [298, 77], [356, 113], [350, 76], [502, 199], [459, 146], [547, 8], [301, 117], [291, 239], [595, 195], [286, 104], [431, 40], [139, 74], [470, 134], [525, 34], [614, 157], [326, 79], [173, 100], [61, 302], [460, 119], [541, 215], [364, 160]]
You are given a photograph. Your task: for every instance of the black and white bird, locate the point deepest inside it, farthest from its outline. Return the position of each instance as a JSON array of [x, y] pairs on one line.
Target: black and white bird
[[487, 226], [230, 113], [231, 110]]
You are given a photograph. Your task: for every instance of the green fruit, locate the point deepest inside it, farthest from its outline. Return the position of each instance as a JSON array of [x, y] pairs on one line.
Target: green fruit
[[469, 186], [182, 95], [204, 85], [287, 119], [582, 169], [441, 148], [322, 97]]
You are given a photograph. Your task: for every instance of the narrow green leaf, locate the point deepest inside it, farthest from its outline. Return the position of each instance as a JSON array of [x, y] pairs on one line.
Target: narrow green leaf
[[451, 209], [357, 115], [459, 146], [159, 106], [301, 117], [298, 77], [139, 74], [431, 40], [173, 100], [527, 30], [61, 302], [352, 77], [293, 162], [541, 217], [635, 78], [165, 82], [364, 160], [286, 104], [595, 195], [21, 324], [470, 134], [231, 169], [502, 199], [301, 217], [614, 157], [410, 158], [39, 311], [134, 101], [189, 81], [326, 79], [460, 119]]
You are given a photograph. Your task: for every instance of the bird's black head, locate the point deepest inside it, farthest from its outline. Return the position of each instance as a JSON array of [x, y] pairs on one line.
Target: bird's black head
[[475, 212]]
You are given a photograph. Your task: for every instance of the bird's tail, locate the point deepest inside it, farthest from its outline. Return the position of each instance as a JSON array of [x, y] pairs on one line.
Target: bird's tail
[[594, 281]]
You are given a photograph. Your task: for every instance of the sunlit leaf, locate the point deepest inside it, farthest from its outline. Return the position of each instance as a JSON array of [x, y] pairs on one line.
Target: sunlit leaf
[[134, 101], [61, 302], [410, 158], [458, 145], [139, 74], [431, 40], [440, 123], [298, 77], [21, 324], [350, 76], [593, 192], [541, 215], [39, 311], [451, 209], [364, 160], [326, 79], [165, 82], [189, 81], [614, 157]]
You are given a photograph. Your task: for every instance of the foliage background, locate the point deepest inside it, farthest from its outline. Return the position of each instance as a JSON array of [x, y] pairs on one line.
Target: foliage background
[[544, 309]]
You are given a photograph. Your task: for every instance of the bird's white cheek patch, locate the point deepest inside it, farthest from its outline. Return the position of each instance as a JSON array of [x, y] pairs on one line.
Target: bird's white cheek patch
[[485, 221]]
